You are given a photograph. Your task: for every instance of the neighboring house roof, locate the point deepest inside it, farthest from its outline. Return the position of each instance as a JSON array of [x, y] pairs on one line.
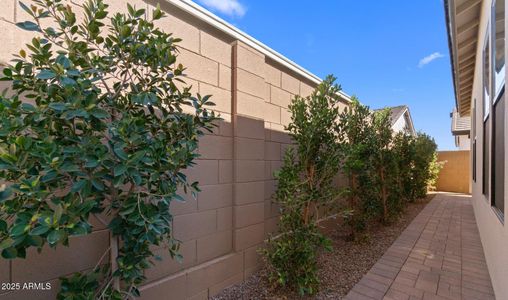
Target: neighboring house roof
[[397, 112], [211, 19], [462, 20], [461, 125]]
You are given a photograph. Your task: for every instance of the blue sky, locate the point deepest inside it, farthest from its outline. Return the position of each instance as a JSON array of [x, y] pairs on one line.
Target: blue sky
[[387, 53]]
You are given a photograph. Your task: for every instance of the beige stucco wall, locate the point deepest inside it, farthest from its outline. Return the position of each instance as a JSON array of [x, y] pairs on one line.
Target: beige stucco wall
[[463, 142], [221, 230], [493, 231], [455, 176]]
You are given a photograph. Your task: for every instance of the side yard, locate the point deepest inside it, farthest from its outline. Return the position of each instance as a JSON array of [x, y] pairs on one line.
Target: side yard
[[340, 269]]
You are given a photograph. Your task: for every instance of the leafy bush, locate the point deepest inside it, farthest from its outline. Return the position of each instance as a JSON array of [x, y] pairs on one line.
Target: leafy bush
[[435, 167], [305, 187], [384, 162], [292, 255], [385, 170], [404, 148], [355, 126], [102, 131], [425, 166]]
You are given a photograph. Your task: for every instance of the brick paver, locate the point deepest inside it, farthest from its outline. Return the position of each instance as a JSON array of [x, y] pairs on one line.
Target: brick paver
[[438, 256]]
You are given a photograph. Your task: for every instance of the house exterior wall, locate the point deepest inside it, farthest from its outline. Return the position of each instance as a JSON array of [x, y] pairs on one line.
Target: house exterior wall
[[400, 125], [463, 142], [493, 231], [455, 174], [222, 229]]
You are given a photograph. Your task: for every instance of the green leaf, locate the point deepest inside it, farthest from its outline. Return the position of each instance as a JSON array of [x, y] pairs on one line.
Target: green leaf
[[70, 167], [99, 113], [29, 26], [55, 236], [140, 12], [157, 13], [35, 240], [26, 8], [118, 149], [125, 31], [87, 206], [3, 226], [7, 72], [119, 170], [10, 253], [91, 163], [6, 243], [28, 107], [58, 106], [49, 176], [128, 210], [64, 61], [19, 229], [46, 74], [101, 14], [67, 82], [78, 186], [5, 193], [98, 184], [81, 229], [58, 214], [39, 230], [178, 198]]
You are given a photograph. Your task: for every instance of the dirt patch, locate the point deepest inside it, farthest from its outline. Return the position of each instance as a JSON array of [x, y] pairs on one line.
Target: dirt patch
[[340, 269]]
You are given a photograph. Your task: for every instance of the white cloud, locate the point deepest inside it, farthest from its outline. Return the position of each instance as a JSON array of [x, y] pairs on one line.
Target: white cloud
[[231, 8], [429, 58]]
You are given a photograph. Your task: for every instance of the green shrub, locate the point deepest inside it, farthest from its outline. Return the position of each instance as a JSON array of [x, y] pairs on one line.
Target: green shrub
[[384, 162], [435, 167], [305, 187], [404, 148], [355, 126], [102, 132], [292, 255], [385, 170], [424, 171]]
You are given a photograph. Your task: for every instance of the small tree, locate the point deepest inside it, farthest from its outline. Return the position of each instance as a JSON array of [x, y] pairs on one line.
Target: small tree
[[102, 131], [425, 154], [404, 148], [383, 160], [305, 185], [434, 169], [355, 127]]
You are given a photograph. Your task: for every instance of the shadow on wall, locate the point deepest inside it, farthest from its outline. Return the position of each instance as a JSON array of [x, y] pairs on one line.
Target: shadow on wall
[[220, 231], [456, 173]]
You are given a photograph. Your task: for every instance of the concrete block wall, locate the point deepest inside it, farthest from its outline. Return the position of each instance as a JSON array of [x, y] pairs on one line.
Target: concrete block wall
[[455, 176], [224, 227]]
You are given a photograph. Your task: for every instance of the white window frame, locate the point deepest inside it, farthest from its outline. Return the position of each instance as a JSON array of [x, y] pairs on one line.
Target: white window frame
[[486, 88], [498, 79]]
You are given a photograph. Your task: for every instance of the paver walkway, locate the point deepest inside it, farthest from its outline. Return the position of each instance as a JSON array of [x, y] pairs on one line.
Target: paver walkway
[[438, 256]]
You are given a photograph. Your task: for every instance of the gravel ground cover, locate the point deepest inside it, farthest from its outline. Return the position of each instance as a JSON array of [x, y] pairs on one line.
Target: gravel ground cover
[[340, 269]]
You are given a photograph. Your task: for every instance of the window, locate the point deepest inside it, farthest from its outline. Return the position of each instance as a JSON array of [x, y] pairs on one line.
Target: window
[[486, 110], [498, 44], [485, 160], [474, 160], [498, 117], [473, 115], [498, 107]]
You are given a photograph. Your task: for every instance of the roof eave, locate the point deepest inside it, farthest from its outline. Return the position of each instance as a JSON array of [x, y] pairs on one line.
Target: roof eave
[[449, 25]]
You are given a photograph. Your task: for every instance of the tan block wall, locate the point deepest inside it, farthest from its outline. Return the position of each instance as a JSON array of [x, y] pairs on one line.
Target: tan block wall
[[222, 229], [456, 173]]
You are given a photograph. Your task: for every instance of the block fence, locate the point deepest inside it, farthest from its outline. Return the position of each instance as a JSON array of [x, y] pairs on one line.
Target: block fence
[[456, 173], [223, 228]]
